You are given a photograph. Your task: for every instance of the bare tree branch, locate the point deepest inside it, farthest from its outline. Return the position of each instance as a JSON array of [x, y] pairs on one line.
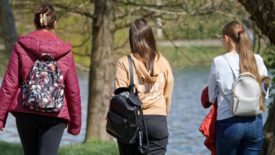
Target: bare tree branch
[[175, 46], [76, 10], [149, 14], [81, 54], [83, 42], [172, 5]]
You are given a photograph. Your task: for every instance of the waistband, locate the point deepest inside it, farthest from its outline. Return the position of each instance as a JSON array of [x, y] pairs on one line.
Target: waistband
[[238, 119]]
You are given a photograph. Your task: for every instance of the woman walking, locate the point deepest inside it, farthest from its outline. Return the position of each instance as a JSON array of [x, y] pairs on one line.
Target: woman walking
[[235, 135], [41, 131], [153, 80]]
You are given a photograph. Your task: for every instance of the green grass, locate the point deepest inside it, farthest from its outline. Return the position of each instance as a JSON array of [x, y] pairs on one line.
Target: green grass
[[90, 148], [10, 149]]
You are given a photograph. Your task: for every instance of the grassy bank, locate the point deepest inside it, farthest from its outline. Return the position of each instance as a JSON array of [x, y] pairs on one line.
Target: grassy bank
[[182, 57], [90, 148]]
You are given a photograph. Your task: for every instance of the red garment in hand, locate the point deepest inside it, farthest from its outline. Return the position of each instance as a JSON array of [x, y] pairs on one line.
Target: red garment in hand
[[207, 127]]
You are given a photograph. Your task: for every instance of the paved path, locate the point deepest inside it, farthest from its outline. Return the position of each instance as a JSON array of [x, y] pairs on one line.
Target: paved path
[[2, 47], [207, 42]]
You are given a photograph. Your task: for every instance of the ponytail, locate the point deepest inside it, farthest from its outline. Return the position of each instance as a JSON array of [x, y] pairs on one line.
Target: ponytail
[[235, 31]]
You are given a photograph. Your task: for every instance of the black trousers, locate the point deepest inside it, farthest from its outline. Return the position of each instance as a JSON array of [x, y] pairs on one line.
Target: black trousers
[[157, 134], [39, 135]]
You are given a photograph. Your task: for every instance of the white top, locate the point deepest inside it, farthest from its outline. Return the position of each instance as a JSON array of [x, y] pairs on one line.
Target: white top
[[222, 77]]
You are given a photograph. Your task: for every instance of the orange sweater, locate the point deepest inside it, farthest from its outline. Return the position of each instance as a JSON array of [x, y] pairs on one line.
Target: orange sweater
[[154, 91]]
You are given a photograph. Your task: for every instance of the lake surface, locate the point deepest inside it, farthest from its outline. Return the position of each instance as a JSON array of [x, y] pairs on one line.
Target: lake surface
[[183, 121]]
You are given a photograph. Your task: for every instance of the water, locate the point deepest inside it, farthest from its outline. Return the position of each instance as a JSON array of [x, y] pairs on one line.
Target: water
[[187, 113], [10, 134], [183, 121]]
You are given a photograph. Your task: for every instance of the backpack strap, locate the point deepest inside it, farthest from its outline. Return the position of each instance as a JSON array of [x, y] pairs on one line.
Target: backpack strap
[[231, 67], [223, 94], [235, 77], [132, 85], [142, 148]]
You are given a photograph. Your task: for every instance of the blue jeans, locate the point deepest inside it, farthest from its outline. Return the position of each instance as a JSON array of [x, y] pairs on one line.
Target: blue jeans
[[239, 136]]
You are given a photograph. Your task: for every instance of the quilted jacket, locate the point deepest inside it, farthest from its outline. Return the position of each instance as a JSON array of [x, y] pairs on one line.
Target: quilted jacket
[[28, 49]]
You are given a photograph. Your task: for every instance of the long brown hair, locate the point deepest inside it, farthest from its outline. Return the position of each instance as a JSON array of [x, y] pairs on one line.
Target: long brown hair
[[44, 16], [236, 32], [142, 42]]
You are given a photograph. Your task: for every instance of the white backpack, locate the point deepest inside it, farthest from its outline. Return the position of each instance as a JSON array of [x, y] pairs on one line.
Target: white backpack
[[246, 93]]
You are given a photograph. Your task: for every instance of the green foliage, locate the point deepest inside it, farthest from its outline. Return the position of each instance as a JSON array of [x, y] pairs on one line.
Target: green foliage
[[90, 148], [269, 57], [196, 20], [194, 27], [4, 58]]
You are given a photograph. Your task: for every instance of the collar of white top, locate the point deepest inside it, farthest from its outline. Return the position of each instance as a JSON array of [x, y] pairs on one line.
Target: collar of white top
[[233, 52]]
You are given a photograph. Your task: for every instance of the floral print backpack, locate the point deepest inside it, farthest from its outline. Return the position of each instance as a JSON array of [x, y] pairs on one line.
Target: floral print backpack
[[43, 90]]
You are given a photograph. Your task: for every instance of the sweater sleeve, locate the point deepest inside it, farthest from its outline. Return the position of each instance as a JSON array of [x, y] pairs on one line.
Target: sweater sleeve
[[9, 86], [72, 92], [168, 89], [121, 76]]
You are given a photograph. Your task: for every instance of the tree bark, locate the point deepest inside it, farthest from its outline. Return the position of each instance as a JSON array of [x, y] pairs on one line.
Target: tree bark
[[101, 69], [263, 13], [7, 25], [269, 130]]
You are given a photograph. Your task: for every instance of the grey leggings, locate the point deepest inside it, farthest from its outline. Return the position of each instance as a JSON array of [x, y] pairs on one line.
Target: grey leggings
[[39, 135]]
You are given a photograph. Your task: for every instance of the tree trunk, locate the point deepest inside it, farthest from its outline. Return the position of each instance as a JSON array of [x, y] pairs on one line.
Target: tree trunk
[[101, 69], [7, 25], [269, 143], [263, 13]]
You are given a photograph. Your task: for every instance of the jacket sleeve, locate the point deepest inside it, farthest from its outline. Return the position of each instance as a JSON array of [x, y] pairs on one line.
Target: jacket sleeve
[[213, 89], [72, 93], [168, 89], [9, 86]]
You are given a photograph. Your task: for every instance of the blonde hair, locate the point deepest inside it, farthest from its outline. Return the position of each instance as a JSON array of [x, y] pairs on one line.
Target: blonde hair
[[236, 32]]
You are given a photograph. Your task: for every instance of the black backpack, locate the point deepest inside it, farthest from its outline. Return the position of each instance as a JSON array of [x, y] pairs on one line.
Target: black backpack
[[125, 119], [43, 90]]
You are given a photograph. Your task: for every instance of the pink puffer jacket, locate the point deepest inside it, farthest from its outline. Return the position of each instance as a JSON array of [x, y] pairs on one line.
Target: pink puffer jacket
[[27, 50]]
